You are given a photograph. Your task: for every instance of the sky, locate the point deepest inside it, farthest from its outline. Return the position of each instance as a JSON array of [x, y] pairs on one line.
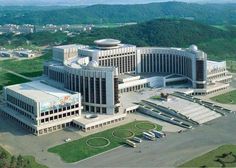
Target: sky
[[91, 2]]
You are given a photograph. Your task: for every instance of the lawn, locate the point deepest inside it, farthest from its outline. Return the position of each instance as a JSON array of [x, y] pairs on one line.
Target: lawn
[[9, 161], [9, 79], [224, 156], [157, 97], [227, 98], [28, 67], [109, 139]]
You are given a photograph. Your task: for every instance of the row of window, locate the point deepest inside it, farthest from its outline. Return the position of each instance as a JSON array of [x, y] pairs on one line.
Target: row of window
[[20, 104], [124, 64], [92, 89], [117, 55], [59, 110], [133, 88], [94, 109], [60, 116], [166, 64], [57, 76], [20, 111]]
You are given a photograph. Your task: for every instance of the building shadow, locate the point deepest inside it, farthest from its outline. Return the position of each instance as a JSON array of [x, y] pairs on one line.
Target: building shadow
[[10, 126]]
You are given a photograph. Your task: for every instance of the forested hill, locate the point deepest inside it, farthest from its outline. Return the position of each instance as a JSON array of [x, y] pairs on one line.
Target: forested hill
[[159, 32], [205, 13]]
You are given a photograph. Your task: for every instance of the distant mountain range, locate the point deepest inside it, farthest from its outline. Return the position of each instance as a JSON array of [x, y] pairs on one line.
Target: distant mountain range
[[92, 2], [95, 14]]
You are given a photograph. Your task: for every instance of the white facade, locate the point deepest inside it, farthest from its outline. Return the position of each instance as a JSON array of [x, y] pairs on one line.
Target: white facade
[[41, 108], [96, 76]]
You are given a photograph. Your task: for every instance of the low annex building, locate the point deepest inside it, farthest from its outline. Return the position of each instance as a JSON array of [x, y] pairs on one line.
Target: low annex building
[[41, 108]]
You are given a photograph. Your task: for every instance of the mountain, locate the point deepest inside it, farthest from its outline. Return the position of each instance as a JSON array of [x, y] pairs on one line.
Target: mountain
[[158, 32], [95, 14], [218, 42], [93, 2]]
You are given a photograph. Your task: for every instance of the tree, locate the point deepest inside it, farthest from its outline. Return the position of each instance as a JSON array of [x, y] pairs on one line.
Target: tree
[[3, 155], [13, 162], [19, 161]]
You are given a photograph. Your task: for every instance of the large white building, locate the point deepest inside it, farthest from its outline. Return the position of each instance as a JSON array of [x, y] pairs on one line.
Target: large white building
[[41, 108], [97, 76]]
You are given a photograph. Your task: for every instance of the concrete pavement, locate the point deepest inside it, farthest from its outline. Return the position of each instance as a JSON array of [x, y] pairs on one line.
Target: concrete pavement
[[171, 151]]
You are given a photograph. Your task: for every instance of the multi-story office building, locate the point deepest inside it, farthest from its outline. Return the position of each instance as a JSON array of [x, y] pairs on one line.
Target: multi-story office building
[[190, 63], [102, 72], [111, 53]]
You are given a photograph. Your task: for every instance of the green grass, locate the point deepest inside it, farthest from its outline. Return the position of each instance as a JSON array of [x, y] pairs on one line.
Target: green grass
[[123, 133], [216, 158], [28, 67], [78, 150], [27, 161], [97, 141], [9, 79], [145, 126], [157, 97], [227, 98]]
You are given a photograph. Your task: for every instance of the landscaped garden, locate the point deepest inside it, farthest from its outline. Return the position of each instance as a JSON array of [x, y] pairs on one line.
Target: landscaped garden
[[224, 156], [102, 141], [227, 98], [9, 161]]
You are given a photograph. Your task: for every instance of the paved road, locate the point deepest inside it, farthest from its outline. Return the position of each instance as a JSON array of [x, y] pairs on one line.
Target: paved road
[[172, 151]]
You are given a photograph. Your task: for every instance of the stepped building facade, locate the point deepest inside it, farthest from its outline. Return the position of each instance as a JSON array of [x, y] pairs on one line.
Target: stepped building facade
[[96, 76]]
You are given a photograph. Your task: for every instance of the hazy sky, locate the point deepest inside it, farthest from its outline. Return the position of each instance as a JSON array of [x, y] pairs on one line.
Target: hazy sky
[[89, 2]]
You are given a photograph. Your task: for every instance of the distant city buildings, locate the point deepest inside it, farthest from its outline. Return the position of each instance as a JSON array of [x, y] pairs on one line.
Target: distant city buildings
[[20, 53], [16, 29], [98, 75], [28, 28]]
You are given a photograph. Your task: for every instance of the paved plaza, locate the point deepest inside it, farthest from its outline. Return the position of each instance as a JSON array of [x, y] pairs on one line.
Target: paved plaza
[[19, 141], [171, 151]]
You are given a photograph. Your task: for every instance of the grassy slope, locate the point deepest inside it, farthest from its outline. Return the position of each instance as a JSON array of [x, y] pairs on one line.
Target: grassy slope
[[78, 150], [28, 67], [9, 79], [29, 161], [209, 158], [227, 98]]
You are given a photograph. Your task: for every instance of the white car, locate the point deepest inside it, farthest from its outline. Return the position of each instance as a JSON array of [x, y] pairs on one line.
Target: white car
[[67, 140]]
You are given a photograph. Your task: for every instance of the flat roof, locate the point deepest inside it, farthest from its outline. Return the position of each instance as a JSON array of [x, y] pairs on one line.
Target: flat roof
[[38, 91], [78, 46]]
